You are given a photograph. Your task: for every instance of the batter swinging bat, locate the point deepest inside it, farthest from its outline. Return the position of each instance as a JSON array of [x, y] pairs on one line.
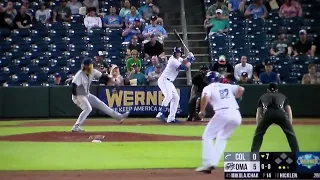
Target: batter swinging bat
[[178, 36]]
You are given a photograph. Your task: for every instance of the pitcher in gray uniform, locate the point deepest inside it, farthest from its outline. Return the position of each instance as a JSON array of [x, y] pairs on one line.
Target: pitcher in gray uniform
[[85, 100]]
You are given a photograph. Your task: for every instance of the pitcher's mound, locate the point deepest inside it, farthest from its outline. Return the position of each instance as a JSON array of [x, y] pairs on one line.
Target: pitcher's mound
[[89, 136]]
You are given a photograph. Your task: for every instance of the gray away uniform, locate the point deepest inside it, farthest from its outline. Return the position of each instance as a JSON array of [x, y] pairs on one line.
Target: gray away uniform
[[86, 101]]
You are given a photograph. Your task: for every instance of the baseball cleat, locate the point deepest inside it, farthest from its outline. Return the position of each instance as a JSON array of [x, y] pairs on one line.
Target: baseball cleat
[[77, 128], [205, 169], [124, 116], [161, 117], [175, 121], [189, 118]]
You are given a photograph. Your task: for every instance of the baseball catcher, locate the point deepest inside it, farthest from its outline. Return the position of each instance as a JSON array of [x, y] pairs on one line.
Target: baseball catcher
[[198, 83]]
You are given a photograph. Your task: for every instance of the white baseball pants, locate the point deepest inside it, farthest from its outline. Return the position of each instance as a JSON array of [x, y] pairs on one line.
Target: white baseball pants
[[220, 128], [171, 96], [87, 102]]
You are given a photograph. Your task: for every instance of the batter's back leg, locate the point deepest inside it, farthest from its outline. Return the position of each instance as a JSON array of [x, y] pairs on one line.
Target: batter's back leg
[[260, 131], [290, 134]]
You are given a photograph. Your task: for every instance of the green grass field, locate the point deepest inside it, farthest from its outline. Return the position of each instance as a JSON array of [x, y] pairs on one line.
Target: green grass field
[[134, 155]]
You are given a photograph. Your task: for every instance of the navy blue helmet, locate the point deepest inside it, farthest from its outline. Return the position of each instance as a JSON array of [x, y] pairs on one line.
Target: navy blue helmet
[[87, 61], [177, 50], [213, 76]]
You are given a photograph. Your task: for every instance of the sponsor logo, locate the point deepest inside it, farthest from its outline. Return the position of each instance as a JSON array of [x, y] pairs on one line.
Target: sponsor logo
[[308, 160]]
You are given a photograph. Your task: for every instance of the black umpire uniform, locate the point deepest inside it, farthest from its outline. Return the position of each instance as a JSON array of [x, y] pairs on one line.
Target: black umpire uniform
[[273, 107], [198, 82]]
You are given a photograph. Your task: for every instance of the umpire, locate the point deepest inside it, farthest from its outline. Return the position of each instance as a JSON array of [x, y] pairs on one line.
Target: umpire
[[273, 107], [198, 83]]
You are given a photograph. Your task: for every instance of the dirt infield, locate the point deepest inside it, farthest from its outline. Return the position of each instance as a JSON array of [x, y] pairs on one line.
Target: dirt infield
[[152, 174], [89, 136], [139, 122]]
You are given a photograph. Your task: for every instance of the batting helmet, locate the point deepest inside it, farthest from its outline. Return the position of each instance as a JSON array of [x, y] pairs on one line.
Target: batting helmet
[[213, 76], [177, 50]]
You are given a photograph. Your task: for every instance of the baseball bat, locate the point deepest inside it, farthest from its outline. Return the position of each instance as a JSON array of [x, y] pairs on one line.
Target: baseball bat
[[180, 39]]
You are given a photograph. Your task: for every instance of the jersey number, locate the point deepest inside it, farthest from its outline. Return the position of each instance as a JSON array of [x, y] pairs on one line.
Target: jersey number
[[224, 93]]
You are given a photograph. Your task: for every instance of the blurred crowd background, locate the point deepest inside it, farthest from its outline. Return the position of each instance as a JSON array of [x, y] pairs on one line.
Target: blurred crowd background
[[250, 41]]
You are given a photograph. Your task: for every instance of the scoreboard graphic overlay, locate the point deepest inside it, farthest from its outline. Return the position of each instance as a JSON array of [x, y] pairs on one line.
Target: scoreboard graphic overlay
[[272, 165]]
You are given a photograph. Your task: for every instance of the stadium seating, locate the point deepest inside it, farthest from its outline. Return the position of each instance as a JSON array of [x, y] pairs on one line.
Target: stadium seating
[[254, 38], [32, 56]]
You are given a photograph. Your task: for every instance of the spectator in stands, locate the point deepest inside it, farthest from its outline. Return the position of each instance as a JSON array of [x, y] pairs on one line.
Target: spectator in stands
[[91, 20], [290, 9], [258, 69], [281, 46], [149, 10], [23, 20], [29, 10], [133, 30], [154, 63], [154, 48], [75, 6], [236, 5], [134, 59], [154, 75], [125, 10], [268, 76], [303, 46], [43, 14], [100, 64], [256, 10], [136, 74], [116, 76], [62, 13], [156, 29], [306, 79], [57, 80], [3, 24], [112, 20], [217, 24], [8, 15], [243, 66], [317, 46], [223, 67], [134, 45], [211, 11], [313, 77], [92, 3], [129, 19], [244, 79]]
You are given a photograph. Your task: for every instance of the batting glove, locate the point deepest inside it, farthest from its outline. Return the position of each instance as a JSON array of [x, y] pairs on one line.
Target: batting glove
[[190, 54], [191, 59]]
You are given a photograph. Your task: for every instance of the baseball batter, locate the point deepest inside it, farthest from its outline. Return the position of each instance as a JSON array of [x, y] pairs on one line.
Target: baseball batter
[[227, 117], [84, 99], [165, 83]]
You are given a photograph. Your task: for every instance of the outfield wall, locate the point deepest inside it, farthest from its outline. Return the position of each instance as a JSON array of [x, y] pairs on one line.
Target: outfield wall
[[55, 102]]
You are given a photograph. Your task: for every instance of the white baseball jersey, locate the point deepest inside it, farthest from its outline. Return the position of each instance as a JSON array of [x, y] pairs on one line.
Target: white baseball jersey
[[221, 96], [238, 69], [171, 71], [83, 81]]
